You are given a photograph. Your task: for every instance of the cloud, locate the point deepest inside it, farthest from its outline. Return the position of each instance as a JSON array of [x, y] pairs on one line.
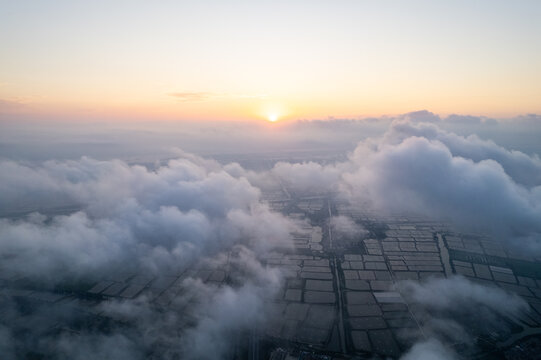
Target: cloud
[[7, 348], [192, 212], [183, 215], [523, 168], [34, 140], [173, 214], [459, 294], [455, 311], [423, 176], [308, 176], [429, 350], [12, 106], [418, 168], [226, 311], [112, 346], [345, 227], [420, 116], [465, 120], [529, 119]]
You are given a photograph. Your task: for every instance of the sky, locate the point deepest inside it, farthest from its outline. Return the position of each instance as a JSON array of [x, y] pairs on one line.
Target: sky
[[252, 61]]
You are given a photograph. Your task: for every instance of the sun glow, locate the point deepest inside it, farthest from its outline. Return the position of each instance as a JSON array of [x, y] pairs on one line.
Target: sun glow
[[272, 117]]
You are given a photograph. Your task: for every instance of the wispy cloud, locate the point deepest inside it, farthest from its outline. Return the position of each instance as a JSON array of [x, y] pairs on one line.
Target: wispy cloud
[[9, 106]]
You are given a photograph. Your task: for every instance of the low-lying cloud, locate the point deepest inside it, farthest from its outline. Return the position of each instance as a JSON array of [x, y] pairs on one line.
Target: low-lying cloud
[[133, 220], [189, 212], [453, 311], [416, 167], [345, 227]]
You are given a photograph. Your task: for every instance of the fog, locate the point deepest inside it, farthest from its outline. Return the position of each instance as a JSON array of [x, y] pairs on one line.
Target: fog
[[45, 139]]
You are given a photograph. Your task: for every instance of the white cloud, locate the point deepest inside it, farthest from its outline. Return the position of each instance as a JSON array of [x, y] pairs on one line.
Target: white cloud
[[454, 311], [139, 221]]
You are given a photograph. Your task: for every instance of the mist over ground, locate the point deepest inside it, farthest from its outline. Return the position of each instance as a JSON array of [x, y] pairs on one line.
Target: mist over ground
[[137, 200], [38, 139]]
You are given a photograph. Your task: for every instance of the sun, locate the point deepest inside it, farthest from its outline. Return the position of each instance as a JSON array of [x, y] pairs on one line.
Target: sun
[[272, 117]]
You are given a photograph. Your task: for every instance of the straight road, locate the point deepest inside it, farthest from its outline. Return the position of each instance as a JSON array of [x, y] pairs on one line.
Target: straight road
[[334, 262]]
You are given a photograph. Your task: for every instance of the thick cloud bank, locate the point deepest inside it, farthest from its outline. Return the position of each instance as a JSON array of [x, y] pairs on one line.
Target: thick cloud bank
[[185, 215], [524, 169], [416, 167], [153, 220], [423, 176]]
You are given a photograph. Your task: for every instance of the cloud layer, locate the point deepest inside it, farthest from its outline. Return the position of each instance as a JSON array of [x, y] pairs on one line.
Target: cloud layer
[[416, 167], [453, 311], [185, 214], [92, 218]]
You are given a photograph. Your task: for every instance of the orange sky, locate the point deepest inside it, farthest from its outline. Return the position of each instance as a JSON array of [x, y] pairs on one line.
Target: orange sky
[[238, 61]]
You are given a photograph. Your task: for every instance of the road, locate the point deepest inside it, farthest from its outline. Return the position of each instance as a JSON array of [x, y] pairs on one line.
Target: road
[[334, 262], [253, 349]]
